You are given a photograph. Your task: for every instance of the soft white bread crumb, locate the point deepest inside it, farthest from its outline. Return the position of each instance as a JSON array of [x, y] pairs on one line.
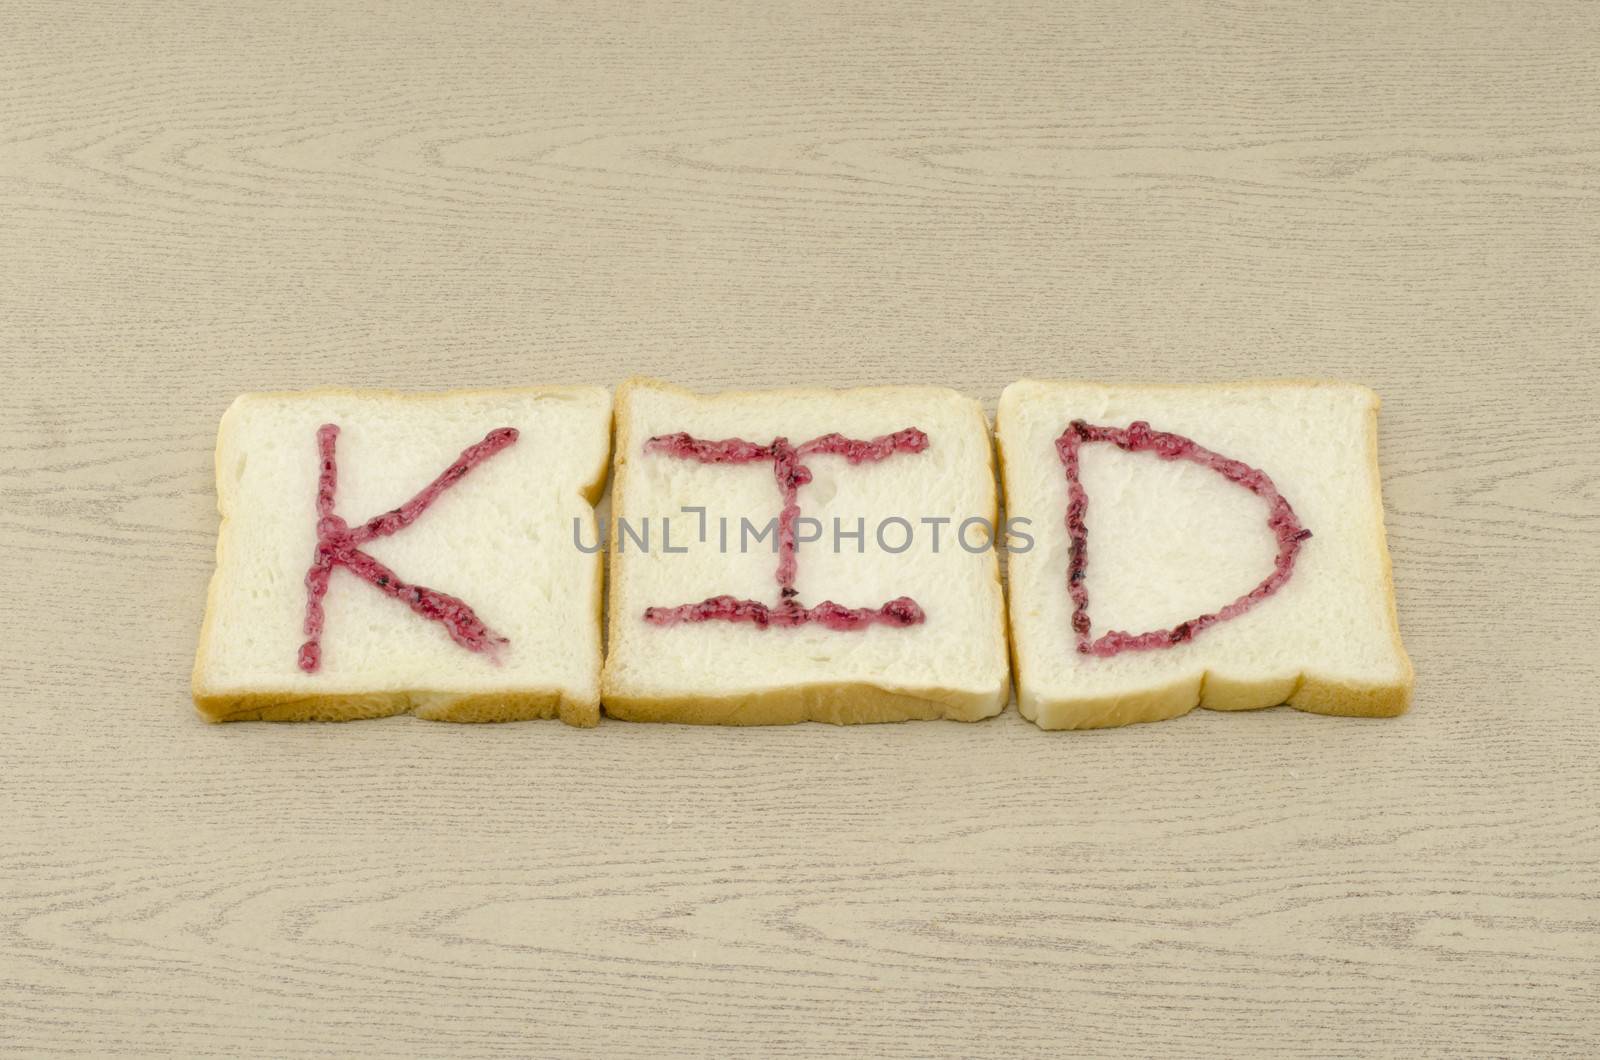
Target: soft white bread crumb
[[952, 666], [1169, 540], [500, 539]]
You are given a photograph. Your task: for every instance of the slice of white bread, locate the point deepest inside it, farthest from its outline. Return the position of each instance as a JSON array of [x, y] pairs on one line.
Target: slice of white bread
[[498, 538], [952, 664], [1169, 539]]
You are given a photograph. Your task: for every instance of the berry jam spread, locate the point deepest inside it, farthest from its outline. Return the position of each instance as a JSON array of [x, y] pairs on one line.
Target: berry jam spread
[[340, 546], [791, 474], [1139, 438], [901, 611]]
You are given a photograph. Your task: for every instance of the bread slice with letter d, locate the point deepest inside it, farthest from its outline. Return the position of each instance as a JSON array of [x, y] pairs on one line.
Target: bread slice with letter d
[[1216, 546]]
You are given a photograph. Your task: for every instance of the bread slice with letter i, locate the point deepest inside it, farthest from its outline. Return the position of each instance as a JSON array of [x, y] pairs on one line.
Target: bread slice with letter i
[[794, 555]]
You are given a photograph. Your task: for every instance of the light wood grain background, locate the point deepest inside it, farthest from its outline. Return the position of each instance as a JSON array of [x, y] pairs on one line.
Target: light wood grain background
[[201, 199]]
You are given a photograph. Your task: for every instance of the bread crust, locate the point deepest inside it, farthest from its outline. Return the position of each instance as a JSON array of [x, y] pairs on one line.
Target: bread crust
[[437, 705], [1307, 691], [838, 703], [521, 705]]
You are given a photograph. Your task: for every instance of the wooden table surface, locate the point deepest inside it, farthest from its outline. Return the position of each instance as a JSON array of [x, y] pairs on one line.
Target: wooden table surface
[[197, 200]]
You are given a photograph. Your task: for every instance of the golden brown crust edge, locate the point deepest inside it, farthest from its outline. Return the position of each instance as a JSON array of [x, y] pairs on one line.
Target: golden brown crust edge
[[196, 677], [842, 703], [845, 703], [287, 705], [1306, 692], [1313, 695], [1400, 699], [621, 458]]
